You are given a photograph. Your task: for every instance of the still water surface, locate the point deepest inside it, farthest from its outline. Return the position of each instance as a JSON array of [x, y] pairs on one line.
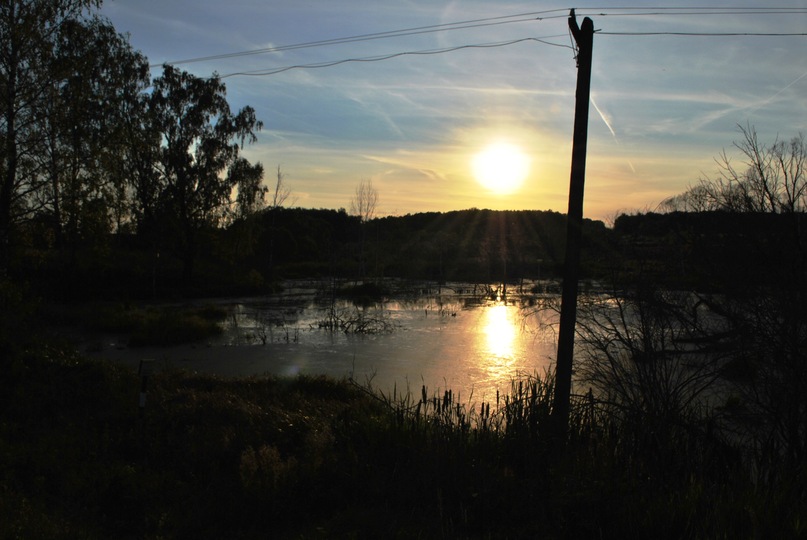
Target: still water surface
[[466, 340]]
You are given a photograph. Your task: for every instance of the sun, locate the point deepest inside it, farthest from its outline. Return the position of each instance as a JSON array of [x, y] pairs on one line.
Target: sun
[[501, 167]]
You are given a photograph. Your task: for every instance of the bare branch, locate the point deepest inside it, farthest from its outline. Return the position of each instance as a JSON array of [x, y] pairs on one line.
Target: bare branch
[[281, 193], [773, 180], [364, 202]]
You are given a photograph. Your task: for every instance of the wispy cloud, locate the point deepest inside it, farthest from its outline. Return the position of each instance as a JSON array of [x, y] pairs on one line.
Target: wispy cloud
[[666, 102]]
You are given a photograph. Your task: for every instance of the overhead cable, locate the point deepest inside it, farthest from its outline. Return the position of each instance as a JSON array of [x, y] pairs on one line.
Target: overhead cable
[[620, 11], [275, 71], [462, 25], [704, 34]]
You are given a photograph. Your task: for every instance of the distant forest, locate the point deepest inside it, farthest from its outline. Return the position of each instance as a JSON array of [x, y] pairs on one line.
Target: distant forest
[[711, 251], [254, 254]]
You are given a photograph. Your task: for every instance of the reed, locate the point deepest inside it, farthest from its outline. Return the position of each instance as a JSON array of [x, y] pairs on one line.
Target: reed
[[313, 457]]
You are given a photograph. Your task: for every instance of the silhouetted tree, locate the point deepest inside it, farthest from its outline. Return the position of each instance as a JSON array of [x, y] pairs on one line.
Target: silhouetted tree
[[201, 138], [364, 201], [251, 196], [363, 205], [29, 35], [771, 178], [280, 195], [250, 199], [97, 79]]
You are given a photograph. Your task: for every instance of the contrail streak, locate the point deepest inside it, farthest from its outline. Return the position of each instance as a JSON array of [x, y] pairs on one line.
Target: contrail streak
[[755, 109], [610, 128], [604, 119]]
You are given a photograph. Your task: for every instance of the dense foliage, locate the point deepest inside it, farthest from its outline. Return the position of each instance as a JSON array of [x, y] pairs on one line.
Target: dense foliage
[[91, 146]]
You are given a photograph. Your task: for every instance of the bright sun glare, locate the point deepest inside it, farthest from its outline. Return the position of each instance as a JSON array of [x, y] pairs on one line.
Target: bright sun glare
[[500, 334], [501, 168]]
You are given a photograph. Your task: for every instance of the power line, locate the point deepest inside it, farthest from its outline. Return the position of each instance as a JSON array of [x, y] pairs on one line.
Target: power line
[[543, 40], [500, 20], [795, 11], [704, 34], [693, 10], [263, 73], [461, 25]]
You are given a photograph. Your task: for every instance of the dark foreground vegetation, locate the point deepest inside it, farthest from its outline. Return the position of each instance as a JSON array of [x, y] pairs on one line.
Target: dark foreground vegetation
[[316, 458]]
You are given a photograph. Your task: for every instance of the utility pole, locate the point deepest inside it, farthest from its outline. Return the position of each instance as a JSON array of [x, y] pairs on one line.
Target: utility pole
[[584, 36]]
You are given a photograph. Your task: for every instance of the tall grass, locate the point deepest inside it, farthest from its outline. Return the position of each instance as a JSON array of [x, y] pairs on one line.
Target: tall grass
[[317, 458]]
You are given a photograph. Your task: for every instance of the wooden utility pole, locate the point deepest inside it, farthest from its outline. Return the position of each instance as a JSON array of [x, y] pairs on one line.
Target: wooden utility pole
[[584, 36]]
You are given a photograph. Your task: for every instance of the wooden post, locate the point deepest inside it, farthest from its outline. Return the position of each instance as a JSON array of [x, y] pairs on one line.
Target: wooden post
[[584, 36]]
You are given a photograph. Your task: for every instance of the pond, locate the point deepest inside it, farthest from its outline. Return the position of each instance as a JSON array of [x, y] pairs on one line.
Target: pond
[[470, 339]]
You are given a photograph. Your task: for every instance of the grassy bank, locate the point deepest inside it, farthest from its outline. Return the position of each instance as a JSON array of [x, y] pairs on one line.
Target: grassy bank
[[140, 325], [317, 458]]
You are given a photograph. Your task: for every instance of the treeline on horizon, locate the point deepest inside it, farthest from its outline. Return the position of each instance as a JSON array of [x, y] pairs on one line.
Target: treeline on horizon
[[714, 250], [706, 251], [254, 254]]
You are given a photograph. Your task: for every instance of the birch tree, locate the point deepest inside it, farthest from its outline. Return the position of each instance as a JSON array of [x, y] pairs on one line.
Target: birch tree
[[29, 30], [201, 138]]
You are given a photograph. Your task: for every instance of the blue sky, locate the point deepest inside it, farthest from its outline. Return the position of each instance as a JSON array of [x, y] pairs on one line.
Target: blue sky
[[663, 106]]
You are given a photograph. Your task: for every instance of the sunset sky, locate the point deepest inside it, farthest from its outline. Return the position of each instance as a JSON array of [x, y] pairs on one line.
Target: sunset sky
[[484, 73]]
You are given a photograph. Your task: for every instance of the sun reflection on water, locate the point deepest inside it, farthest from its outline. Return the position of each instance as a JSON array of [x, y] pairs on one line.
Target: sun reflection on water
[[499, 332]]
